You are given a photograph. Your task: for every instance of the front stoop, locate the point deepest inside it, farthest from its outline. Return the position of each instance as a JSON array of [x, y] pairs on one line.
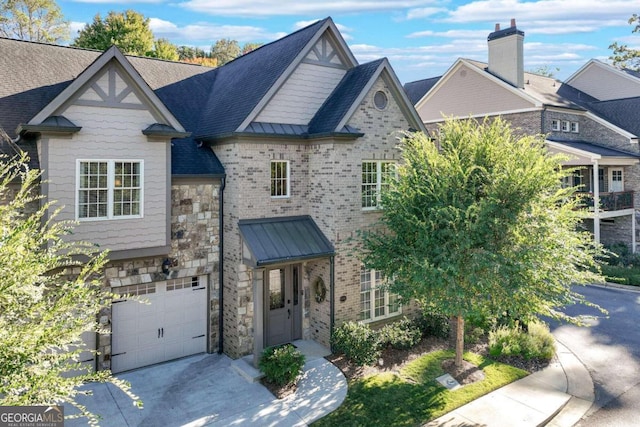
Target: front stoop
[[244, 367]]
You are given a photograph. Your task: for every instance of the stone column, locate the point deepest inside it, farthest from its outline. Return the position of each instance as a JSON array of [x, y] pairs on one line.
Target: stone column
[[258, 314]]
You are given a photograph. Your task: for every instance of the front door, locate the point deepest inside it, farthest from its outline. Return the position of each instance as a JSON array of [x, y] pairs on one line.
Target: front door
[[283, 305], [616, 179]]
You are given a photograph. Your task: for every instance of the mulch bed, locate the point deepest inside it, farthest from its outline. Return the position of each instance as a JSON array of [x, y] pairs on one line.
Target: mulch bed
[[392, 360]]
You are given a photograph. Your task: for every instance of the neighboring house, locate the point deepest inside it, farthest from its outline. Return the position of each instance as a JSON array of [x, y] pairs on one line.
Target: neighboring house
[[593, 118], [227, 197]]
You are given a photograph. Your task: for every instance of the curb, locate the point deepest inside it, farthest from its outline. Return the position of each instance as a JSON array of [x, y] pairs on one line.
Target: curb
[[579, 386]]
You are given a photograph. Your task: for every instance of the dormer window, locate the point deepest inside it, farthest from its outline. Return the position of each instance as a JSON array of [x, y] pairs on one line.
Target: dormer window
[[555, 125], [574, 127]]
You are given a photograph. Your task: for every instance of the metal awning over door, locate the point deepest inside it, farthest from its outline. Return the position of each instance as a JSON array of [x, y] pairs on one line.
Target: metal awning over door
[[269, 241]]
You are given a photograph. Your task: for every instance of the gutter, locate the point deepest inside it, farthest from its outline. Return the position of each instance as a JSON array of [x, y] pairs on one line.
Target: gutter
[[221, 266], [332, 296]]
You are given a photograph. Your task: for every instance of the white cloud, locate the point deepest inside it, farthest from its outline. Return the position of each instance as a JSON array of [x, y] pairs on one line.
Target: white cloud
[[297, 7], [465, 34], [559, 11], [74, 27], [424, 12], [122, 2], [203, 31]]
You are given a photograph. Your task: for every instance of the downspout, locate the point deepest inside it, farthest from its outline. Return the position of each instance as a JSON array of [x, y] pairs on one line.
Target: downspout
[[596, 202], [332, 295], [221, 266]]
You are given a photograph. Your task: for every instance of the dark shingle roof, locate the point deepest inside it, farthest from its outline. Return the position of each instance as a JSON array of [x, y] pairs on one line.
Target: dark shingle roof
[[595, 148], [242, 83], [416, 90], [623, 113], [342, 98], [50, 69], [274, 240]]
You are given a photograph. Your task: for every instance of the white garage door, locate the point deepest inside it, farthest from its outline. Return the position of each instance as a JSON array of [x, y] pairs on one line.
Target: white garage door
[[171, 323]]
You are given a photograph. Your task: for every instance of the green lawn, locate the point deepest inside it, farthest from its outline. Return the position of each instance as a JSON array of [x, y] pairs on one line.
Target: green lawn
[[414, 397]]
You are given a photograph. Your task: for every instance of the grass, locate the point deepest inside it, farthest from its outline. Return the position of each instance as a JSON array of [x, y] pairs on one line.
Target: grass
[[414, 397]]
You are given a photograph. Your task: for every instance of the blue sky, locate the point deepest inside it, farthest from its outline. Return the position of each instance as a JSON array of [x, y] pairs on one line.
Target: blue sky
[[421, 38]]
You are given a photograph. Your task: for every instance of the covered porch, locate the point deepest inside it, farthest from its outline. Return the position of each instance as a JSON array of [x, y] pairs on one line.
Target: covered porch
[[603, 175], [282, 255]]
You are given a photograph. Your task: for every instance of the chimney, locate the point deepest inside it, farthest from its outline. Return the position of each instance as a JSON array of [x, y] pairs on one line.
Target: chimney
[[506, 59]]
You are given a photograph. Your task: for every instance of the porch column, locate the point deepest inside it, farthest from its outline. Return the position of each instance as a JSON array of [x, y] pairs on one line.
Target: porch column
[[596, 203], [633, 232], [258, 314]]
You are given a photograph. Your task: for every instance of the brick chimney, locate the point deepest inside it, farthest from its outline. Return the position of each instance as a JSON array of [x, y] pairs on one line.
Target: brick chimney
[[506, 59]]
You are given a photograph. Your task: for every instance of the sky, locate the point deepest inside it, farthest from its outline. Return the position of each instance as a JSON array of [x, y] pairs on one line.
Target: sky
[[421, 38]]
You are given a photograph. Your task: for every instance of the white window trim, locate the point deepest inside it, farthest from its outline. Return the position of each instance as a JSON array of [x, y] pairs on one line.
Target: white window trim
[[566, 126], [288, 179], [577, 127], [372, 295], [555, 125], [110, 182], [378, 163]]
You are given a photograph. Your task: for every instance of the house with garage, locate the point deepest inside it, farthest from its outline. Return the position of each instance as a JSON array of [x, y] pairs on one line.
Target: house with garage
[[592, 118], [226, 197]]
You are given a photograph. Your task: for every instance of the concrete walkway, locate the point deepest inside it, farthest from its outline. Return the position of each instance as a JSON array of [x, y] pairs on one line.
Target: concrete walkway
[[214, 390], [208, 390], [557, 396]]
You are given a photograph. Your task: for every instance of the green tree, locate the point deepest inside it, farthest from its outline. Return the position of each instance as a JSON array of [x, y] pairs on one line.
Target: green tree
[[43, 309], [623, 56], [190, 52], [33, 20], [164, 49], [128, 30], [481, 226], [248, 47], [225, 50], [545, 70]]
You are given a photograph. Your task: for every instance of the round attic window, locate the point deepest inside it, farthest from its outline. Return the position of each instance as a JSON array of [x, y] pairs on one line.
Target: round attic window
[[380, 100]]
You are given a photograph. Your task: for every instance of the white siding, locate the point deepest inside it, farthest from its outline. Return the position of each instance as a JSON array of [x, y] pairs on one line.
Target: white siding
[[468, 93], [604, 83], [111, 133], [302, 94]]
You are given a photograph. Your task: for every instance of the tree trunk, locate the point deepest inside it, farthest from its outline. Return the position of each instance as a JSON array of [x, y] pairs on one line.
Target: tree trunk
[[459, 341]]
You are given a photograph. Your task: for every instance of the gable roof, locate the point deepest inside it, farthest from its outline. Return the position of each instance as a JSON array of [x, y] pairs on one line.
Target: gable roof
[[623, 113], [53, 69], [241, 84], [416, 90]]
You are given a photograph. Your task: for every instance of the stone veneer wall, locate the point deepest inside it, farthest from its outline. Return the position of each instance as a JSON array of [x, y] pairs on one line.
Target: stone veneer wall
[[194, 252]]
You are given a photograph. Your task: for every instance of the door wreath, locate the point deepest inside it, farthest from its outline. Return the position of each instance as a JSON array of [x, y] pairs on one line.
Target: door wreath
[[319, 290]]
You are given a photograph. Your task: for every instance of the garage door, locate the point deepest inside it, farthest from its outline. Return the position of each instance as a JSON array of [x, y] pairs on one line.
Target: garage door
[[171, 323]]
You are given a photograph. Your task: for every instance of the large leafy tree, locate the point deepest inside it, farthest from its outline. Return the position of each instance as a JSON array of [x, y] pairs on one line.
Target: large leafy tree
[[43, 308], [481, 226], [225, 50], [33, 20], [164, 49], [128, 30], [623, 56]]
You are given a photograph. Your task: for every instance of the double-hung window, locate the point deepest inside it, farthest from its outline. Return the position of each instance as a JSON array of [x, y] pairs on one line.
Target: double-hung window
[[375, 302], [280, 178], [109, 189], [375, 177]]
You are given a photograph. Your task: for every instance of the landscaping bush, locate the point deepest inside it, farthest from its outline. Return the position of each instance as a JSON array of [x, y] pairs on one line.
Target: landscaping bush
[[358, 343], [281, 365], [433, 324], [400, 335], [622, 275], [534, 343]]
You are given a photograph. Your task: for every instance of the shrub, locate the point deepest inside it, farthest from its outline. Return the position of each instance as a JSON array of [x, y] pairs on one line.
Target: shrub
[[400, 335], [534, 343], [281, 365], [433, 324], [358, 343], [622, 275]]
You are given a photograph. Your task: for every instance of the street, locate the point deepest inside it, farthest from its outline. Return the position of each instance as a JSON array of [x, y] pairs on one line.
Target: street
[[610, 349]]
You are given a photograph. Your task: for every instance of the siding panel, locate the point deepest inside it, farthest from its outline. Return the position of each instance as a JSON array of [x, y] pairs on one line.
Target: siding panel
[[110, 133], [302, 94]]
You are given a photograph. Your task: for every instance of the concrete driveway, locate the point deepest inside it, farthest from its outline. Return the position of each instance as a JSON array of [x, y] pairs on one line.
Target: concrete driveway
[[206, 390]]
